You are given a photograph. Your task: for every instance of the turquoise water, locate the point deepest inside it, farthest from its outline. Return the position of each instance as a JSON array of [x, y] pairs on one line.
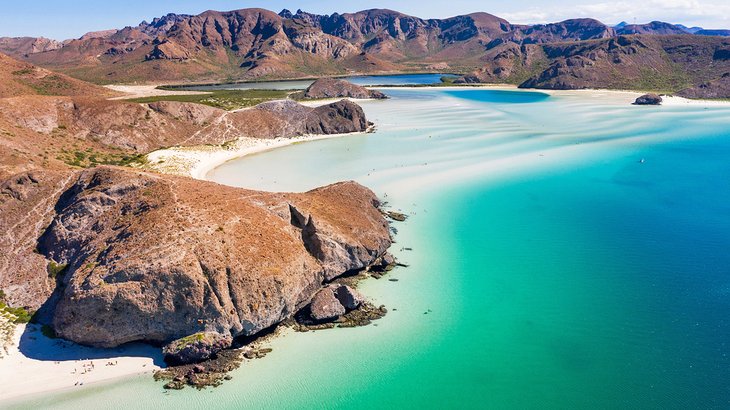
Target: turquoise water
[[365, 80], [551, 267]]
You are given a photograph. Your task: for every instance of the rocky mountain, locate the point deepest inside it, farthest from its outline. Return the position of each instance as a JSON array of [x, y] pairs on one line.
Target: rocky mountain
[[703, 32], [259, 44], [663, 63], [229, 260], [655, 27], [256, 43]]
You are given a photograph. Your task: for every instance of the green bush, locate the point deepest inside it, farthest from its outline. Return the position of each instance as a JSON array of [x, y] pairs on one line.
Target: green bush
[[56, 269]]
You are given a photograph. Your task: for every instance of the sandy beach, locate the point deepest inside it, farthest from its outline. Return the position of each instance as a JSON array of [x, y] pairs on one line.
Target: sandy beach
[[143, 91], [197, 161], [34, 363]]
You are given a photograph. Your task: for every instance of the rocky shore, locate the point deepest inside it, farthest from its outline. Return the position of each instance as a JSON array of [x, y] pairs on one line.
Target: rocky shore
[[204, 360]]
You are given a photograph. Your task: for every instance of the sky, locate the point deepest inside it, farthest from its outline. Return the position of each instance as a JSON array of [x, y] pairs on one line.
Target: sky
[[61, 19]]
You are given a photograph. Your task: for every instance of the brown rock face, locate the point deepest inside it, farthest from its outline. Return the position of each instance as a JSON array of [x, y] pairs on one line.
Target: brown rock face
[[325, 305], [195, 348], [334, 301], [333, 88], [156, 258]]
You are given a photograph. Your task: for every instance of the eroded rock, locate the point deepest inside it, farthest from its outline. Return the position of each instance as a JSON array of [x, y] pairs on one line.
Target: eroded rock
[[195, 348], [648, 99]]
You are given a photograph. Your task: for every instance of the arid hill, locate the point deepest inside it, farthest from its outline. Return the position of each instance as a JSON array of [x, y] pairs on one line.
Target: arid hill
[[21, 78], [715, 89]]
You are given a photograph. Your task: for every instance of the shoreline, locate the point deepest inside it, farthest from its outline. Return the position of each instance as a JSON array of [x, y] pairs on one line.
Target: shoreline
[[197, 161], [131, 92], [37, 364]]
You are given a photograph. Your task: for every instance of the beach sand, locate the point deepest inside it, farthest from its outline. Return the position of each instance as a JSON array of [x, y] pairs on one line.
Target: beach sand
[[34, 363], [198, 161], [143, 91]]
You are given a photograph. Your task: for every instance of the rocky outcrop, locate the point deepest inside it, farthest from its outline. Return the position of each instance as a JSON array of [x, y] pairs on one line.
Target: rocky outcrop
[[334, 301], [326, 306], [648, 99], [715, 89], [151, 258], [195, 348], [334, 88]]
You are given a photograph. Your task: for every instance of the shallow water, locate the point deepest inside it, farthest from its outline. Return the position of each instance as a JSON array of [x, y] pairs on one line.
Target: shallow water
[[551, 267]]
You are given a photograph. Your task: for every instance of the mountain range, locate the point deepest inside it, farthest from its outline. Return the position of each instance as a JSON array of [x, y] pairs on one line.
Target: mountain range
[[254, 44]]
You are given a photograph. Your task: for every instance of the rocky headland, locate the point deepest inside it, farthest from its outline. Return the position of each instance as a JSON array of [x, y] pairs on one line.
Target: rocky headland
[[324, 88], [104, 254]]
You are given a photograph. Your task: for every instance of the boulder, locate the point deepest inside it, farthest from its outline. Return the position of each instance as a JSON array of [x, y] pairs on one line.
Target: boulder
[[195, 348], [349, 298], [648, 99], [325, 305]]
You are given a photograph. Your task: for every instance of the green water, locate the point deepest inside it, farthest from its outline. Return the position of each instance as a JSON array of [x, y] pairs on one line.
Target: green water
[[550, 267]]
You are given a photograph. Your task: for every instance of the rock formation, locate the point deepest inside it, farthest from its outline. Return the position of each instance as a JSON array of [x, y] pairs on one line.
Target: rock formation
[[648, 99], [156, 259], [334, 88], [195, 348], [334, 301]]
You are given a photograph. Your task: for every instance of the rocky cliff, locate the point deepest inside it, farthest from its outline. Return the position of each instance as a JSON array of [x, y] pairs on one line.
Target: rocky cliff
[[154, 258]]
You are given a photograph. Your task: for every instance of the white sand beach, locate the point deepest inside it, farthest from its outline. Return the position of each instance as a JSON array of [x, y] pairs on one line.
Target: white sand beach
[[143, 91], [197, 161], [34, 363]]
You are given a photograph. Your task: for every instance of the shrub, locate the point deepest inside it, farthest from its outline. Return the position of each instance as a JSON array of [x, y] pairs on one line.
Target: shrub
[[56, 269]]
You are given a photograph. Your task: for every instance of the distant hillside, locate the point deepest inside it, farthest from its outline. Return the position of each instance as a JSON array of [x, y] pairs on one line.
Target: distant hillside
[[252, 44], [20, 78]]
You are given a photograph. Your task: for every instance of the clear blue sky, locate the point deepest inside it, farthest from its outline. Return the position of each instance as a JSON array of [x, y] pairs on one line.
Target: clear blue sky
[[61, 19]]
